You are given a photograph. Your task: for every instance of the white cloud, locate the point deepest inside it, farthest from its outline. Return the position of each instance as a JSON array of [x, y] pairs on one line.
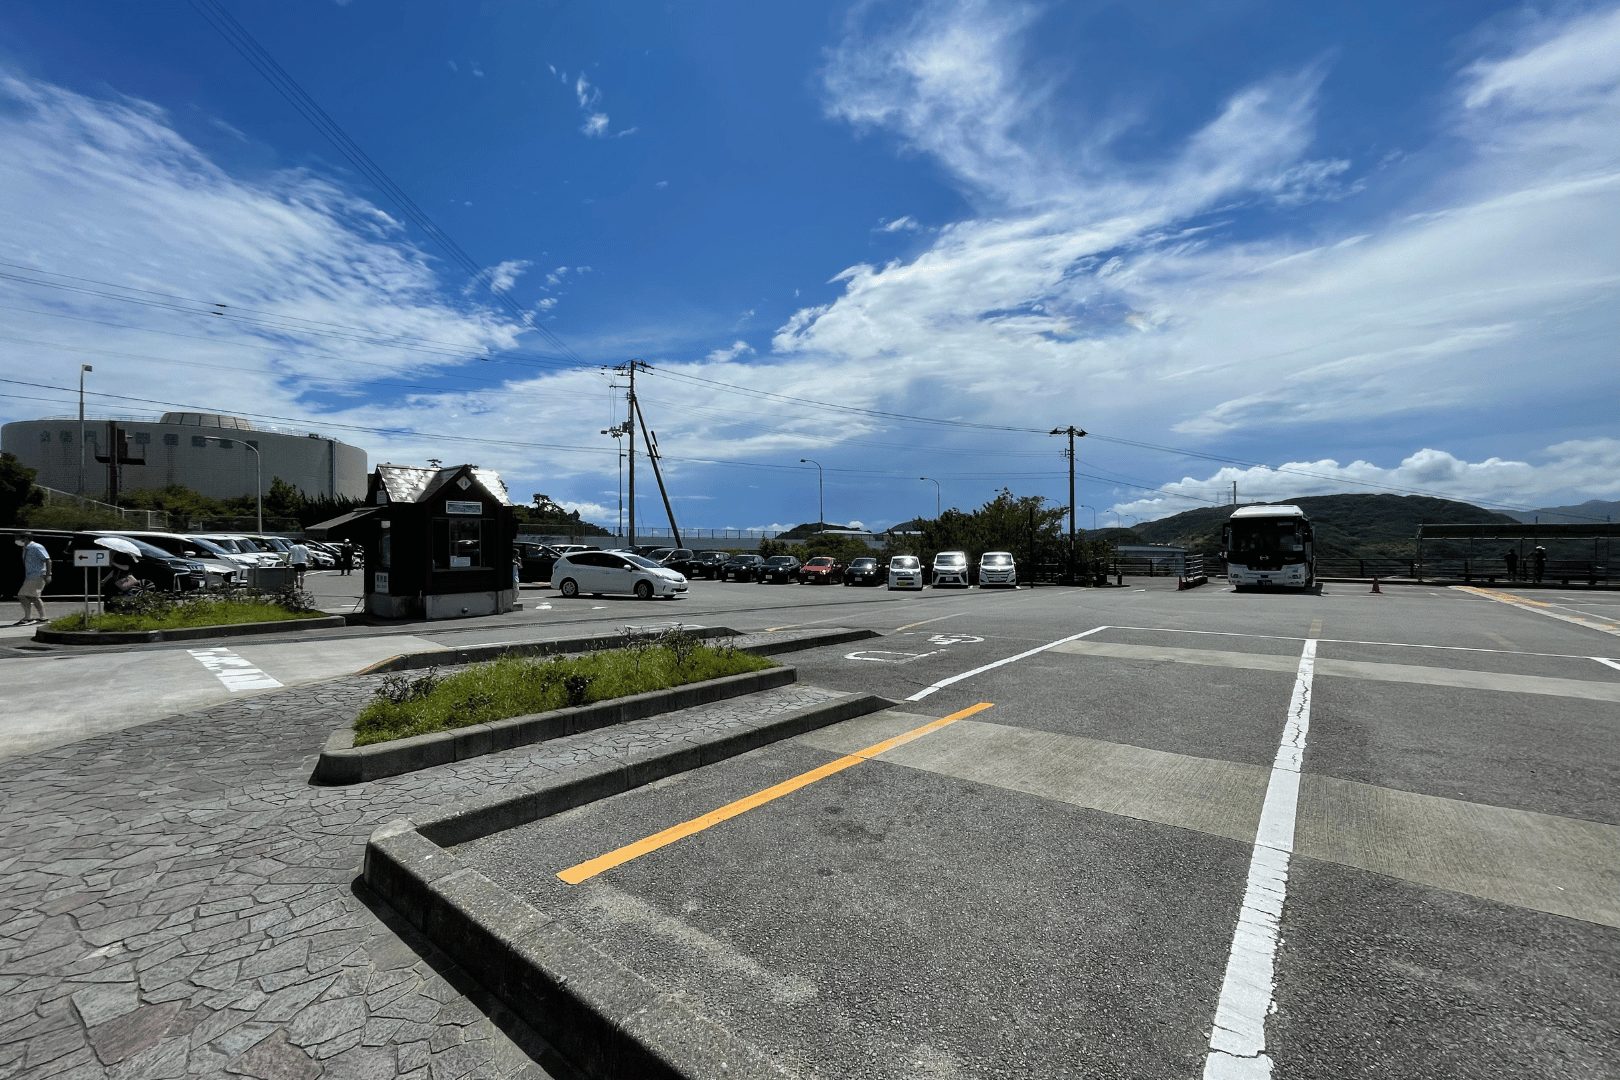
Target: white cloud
[[477, 69], [503, 275], [661, 185], [595, 125], [730, 352], [906, 223], [545, 303]]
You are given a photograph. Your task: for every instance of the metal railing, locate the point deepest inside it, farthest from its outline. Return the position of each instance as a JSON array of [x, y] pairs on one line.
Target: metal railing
[[145, 519]]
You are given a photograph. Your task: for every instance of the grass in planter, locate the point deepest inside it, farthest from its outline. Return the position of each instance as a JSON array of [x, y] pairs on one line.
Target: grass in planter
[[408, 705], [178, 611]]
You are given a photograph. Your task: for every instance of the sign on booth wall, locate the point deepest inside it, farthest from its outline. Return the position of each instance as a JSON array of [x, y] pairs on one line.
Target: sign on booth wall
[[455, 506], [379, 581]]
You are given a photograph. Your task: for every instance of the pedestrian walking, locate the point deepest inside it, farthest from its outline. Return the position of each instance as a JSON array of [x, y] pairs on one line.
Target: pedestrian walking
[[299, 557], [346, 559], [1538, 561], [1511, 557], [36, 575]]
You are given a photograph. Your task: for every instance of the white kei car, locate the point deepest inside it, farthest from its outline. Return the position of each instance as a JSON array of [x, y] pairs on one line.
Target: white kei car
[[905, 572], [997, 568], [598, 572]]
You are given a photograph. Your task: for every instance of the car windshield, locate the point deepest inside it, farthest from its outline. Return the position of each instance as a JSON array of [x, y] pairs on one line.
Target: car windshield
[[149, 551], [996, 558], [863, 564], [951, 558], [780, 560], [748, 559], [642, 560], [207, 545], [819, 561], [904, 562]]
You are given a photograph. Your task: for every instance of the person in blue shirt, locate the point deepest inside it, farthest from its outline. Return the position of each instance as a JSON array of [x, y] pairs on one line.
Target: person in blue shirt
[[36, 572]]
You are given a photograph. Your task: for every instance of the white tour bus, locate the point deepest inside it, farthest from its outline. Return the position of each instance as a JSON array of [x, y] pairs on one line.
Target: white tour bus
[[1269, 546]]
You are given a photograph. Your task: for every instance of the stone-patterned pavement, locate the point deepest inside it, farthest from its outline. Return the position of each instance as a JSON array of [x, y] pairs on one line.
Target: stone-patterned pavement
[[177, 900]]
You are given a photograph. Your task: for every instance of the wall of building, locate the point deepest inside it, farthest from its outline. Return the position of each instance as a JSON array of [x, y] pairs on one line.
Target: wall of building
[[175, 451]]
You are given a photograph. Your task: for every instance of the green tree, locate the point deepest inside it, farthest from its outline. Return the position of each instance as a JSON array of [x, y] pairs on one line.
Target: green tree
[[17, 491]]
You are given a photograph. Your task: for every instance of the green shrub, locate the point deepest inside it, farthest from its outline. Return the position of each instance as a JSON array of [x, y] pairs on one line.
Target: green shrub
[[517, 686]]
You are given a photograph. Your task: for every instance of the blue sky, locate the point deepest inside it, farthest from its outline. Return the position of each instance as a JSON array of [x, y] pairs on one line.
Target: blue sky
[[1306, 248]]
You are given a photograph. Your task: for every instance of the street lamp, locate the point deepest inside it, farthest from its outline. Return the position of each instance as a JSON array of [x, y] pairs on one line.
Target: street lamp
[[618, 432], [82, 369], [258, 475], [1093, 510], [821, 502], [937, 489]]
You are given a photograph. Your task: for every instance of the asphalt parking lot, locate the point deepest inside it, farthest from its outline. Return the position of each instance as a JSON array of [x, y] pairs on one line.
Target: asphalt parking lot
[[1130, 832], [1067, 881]]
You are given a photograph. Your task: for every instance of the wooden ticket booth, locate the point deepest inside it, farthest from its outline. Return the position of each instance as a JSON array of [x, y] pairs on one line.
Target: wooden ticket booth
[[438, 542]]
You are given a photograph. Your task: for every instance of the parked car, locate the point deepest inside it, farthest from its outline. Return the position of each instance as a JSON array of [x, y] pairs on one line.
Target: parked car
[[780, 568], [741, 568], [997, 568], [905, 572], [599, 572], [536, 561], [863, 572], [822, 570], [218, 568], [157, 568], [676, 559], [242, 546], [951, 568], [708, 563]]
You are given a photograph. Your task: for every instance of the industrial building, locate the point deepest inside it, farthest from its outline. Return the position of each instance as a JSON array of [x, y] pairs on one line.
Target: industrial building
[[210, 453]]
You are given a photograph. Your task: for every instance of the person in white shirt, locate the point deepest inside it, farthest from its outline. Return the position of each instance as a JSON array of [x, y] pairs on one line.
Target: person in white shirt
[[299, 557], [36, 572]]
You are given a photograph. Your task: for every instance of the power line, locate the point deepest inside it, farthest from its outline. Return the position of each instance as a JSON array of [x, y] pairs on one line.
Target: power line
[[290, 89]]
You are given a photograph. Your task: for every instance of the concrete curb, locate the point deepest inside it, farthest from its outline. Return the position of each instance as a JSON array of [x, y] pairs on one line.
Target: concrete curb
[[809, 641], [189, 633], [607, 1020], [341, 762]]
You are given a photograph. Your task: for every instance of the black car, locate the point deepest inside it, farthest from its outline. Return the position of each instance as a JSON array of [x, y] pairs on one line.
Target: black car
[[676, 559], [863, 572], [707, 564], [741, 568], [537, 559], [782, 568], [159, 569]]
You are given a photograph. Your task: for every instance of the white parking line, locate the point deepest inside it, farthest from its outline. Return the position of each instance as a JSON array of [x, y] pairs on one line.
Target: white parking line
[[1605, 660], [943, 683], [236, 673], [1238, 1042]]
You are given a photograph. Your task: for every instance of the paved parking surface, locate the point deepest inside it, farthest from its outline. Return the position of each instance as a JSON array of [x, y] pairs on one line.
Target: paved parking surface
[[1052, 886]]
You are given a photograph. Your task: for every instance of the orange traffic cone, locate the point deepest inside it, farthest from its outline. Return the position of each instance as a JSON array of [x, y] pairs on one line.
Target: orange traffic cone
[[1375, 587]]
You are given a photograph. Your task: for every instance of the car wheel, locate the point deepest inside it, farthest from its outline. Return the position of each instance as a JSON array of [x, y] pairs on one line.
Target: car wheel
[[644, 590], [569, 587]]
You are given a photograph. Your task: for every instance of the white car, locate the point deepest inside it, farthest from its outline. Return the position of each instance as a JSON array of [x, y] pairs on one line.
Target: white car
[[243, 546], [951, 568], [598, 572], [997, 568], [905, 572]]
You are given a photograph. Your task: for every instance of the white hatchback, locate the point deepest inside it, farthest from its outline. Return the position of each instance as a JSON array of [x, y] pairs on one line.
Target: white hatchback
[[905, 572], [951, 568], [598, 572]]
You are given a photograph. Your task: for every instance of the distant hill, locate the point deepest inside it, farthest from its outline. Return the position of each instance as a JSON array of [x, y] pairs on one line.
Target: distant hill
[[1362, 525], [1590, 510]]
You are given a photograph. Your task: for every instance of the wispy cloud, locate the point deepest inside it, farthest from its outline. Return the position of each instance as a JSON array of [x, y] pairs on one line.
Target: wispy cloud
[[905, 223], [597, 124]]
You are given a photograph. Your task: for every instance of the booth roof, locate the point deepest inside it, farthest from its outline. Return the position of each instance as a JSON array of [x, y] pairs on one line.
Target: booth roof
[[412, 483]]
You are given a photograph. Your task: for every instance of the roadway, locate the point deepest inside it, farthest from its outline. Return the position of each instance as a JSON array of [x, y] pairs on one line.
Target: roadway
[[1044, 860]]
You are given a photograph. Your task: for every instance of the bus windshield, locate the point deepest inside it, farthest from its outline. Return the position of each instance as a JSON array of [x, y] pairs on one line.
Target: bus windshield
[[1276, 538]]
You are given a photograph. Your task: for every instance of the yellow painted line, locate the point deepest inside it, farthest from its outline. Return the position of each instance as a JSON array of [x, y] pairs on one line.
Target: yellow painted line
[[618, 857], [1542, 607], [925, 622]]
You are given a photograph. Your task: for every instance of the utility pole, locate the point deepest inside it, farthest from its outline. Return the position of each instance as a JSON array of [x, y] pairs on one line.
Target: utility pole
[[1073, 433], [1234, 494], [82, 369], [629, 371]]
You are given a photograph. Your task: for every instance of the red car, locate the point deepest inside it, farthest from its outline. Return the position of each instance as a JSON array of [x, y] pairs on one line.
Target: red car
[[822, 570]]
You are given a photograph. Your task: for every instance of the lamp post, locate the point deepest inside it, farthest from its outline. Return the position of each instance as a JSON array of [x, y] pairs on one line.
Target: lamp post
[[821, 502], [618, 432], [937, 497], [82, 369], [258, 475], [1093, 510]]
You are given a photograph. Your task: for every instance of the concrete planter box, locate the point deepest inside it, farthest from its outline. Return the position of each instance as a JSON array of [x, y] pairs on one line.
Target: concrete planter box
[[189, 633]]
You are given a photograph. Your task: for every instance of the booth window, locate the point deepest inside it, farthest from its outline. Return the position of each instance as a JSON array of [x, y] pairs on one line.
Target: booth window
[[458, 543]]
